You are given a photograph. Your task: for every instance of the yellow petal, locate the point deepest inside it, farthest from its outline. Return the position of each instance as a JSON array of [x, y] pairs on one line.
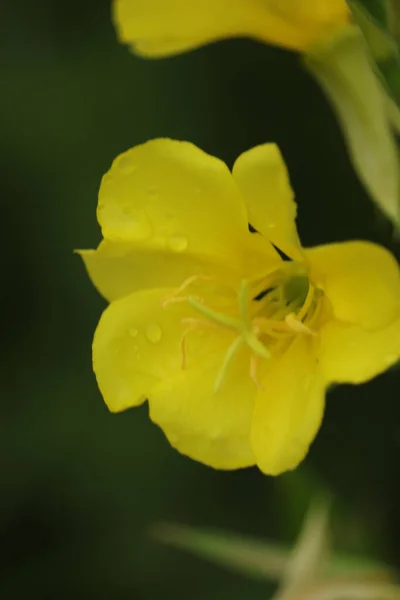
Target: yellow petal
[[137, 344], [288, 411], [213, 428], [361, 280], [117, 269], [350, 354], [264, 182], [162, 27], [172, 196]]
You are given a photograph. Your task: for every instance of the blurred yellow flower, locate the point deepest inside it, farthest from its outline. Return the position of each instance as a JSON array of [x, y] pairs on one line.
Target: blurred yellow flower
[[163, 27], [232, 345]]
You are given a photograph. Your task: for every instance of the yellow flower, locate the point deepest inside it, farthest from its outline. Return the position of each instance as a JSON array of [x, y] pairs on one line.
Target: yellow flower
[[163, 27], [232, 346]]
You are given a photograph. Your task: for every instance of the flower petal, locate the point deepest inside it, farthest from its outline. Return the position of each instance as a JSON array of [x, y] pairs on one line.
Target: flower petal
[[161, 27], [289, 410], [137, 345], [213, 428], [361, 280], [117, 269], [350, 354], [264, 181], [170, 195]]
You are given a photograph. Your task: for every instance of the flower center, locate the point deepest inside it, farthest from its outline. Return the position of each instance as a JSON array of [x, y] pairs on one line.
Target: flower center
[[270, 312]]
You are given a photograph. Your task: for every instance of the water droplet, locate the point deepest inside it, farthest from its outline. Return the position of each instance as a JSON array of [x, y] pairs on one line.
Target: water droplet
[[136, 223], [125, 164], [153, 333], [152, 193], [133, 332], [177, 243], [271, 225]]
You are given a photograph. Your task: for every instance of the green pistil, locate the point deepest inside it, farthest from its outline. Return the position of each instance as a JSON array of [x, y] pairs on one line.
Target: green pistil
[[216, 316], [258, 347], [287, 297], [237, 342], [242, 326]]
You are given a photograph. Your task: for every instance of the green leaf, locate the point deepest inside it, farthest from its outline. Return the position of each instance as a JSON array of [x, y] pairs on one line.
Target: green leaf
[[255, 558], [342, 67], [264, 560], [393, 15], [379, 22], [311, 551]]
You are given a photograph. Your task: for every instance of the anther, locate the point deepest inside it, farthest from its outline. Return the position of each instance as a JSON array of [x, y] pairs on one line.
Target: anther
[[298, 326], [176, 297], [193, 324]]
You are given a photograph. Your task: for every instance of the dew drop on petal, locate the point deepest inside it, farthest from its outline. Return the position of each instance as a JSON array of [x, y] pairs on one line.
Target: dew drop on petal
[[177, 243], [152, 193], [133, 332], [125, 164], [153, 333], [136, 223]]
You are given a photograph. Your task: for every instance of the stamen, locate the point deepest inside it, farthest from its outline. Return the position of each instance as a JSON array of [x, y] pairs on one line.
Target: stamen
[[243, 298], [175, 297], [307, 303], [237, 342], [298, 326], [191, 280], [254, 360], [183, 350], [316, 313], [272, 280], [267, 325], [193, 324], [273, 298]]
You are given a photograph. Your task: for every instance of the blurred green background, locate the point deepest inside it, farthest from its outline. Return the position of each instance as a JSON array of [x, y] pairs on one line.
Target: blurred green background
[[81, 487]]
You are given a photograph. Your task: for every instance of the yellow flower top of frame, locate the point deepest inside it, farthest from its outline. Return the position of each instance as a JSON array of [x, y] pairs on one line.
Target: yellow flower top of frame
[[164, 27], [232, 345]]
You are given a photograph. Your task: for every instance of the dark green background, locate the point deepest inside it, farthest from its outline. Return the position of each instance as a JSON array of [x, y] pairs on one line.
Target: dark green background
[[80, 487]]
